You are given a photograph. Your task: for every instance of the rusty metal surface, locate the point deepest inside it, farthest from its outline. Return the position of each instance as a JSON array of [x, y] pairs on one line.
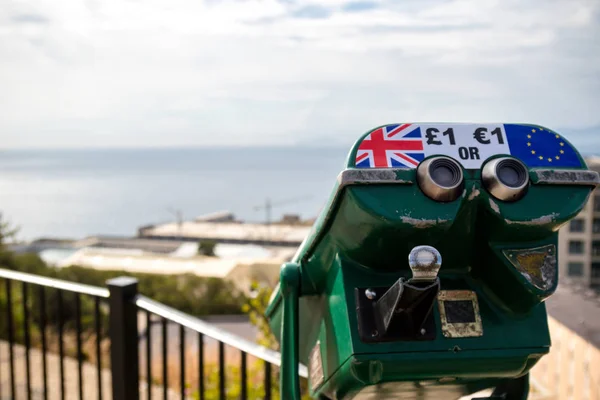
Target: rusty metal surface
[[537, 265], [459, 330], [566, 177], [379, 176]]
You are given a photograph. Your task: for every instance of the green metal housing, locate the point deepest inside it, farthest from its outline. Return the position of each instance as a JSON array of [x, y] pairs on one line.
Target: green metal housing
[[362, 239]]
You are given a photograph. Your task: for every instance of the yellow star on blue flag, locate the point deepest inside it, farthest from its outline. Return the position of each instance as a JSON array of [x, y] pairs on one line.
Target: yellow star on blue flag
[[538, 147]]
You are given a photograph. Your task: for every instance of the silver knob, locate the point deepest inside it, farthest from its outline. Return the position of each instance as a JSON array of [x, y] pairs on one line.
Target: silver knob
[[425, 262]]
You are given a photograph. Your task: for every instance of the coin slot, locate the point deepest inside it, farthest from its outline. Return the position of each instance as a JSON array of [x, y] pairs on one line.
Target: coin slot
[[459, 311]]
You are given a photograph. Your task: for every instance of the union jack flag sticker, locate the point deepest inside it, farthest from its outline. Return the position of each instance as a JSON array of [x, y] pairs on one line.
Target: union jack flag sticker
[[399, 146]]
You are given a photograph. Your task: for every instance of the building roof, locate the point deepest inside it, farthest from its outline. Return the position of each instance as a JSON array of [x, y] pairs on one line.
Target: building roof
[[593, 162], [578, 308], [116, 242], [229, 232], [219, 216], [112, 259]]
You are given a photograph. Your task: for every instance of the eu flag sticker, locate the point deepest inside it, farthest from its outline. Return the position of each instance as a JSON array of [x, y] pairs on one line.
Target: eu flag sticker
[[540, 147]]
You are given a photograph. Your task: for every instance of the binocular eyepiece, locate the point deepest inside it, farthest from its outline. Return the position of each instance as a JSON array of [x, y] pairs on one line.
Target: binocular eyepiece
[[441, 178], [505, 178]]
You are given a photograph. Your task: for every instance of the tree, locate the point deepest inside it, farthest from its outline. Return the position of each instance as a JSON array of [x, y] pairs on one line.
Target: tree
[[207, 248], [255, 308], [6, 231]]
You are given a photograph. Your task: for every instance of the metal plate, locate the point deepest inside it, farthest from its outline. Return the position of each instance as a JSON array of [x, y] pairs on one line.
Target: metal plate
[[315, 367], [537, 265], [459, 313]]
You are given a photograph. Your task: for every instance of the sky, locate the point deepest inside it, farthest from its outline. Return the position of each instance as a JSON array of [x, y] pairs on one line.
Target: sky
[[179, 73]]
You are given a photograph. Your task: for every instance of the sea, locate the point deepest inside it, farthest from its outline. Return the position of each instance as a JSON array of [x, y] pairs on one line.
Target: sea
[[73, 193]]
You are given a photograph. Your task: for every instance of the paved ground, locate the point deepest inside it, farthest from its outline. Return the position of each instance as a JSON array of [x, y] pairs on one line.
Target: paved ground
[[577, 308], [235, 324], [90, 378]]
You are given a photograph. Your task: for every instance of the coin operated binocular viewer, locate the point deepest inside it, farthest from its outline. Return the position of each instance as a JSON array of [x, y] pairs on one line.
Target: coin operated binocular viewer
[[426, 273]]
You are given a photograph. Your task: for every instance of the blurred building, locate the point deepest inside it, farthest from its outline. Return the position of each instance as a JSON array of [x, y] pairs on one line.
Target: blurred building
[[289, 232], [579, 241]]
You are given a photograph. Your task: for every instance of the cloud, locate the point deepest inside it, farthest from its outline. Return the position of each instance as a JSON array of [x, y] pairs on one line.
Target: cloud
[[357, 6], [312, 12], [124, 73], [29, 18], [586, 139]]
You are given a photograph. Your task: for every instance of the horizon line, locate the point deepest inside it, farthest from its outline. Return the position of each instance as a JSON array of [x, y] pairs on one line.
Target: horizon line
[[176, 147]]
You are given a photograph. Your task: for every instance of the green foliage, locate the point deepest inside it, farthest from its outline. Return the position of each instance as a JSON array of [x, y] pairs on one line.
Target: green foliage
[[17, 311], [207, 247], [189, 293], [7, 231], [255, 308], [255, 384]]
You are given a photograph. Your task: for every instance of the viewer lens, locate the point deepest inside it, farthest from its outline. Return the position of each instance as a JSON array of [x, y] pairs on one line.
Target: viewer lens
[[505, 178], [511, 173], [440, 178], [445, 173]]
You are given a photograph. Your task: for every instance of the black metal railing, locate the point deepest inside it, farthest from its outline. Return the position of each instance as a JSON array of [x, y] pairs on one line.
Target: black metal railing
[[48, 307], [119, 322], [187, 324]]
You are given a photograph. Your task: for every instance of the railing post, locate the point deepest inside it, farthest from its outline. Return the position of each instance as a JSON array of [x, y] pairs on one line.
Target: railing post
[[123, 332]]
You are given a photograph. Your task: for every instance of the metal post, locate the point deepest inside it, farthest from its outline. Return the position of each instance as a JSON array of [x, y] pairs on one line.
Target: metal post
[[290, 289], [123, 332]]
